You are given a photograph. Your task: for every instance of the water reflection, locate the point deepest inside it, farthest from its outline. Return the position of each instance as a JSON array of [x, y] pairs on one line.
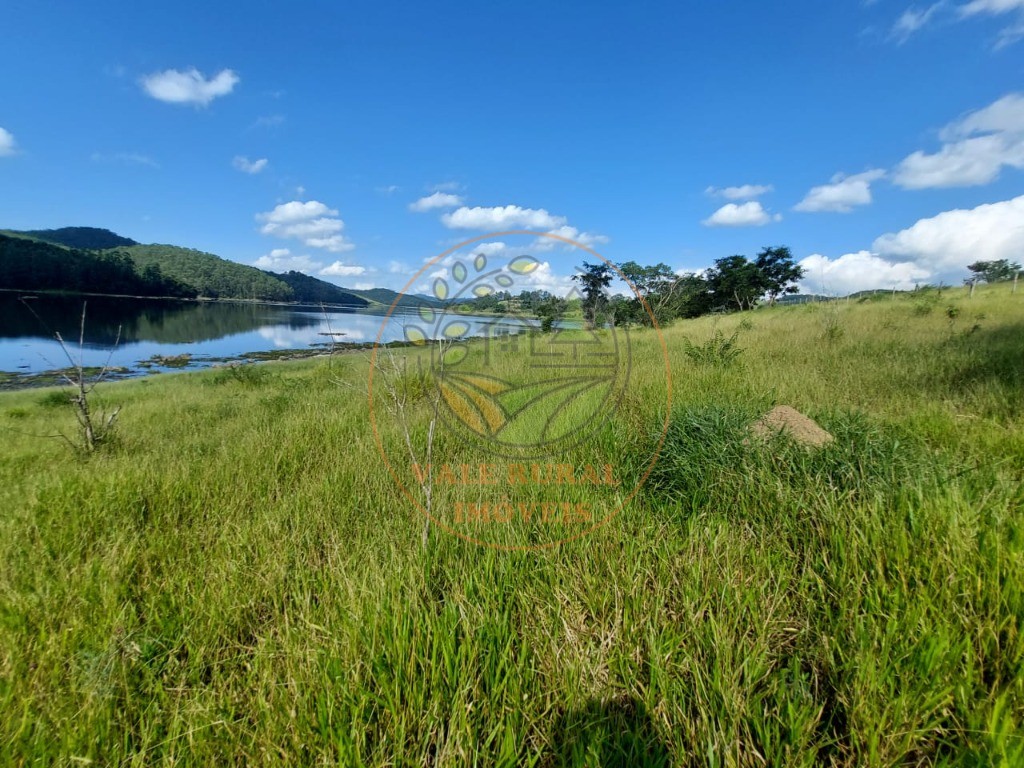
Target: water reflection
[[204, 330]]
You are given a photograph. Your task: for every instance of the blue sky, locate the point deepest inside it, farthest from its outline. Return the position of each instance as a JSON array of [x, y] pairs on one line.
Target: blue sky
[[882, 141]]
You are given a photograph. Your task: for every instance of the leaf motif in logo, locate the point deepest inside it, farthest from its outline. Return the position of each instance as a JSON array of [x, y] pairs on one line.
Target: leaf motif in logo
[[477, 409], [523, 265], [455, 329], [415, 335], [441, 288], [553, 409], [488, 384], [459, 271]]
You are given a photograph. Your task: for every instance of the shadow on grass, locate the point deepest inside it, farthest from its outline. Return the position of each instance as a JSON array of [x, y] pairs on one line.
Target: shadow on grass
[[989, 355], [602, 734]]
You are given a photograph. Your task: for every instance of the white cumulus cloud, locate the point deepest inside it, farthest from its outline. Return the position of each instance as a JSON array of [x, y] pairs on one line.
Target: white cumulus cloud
[[568, 233], [977, 147], [859, 271], [189, 86], [283, 260], [750, 214], [544, 278], [951, 240], [842, 194], [311, 222], [338, 269], [504, 217], [936, 249], [488, 249], [8, 146], [436, 200], [1005, 115], [296, 210], [245, 165], [501, 217], [742, 192]]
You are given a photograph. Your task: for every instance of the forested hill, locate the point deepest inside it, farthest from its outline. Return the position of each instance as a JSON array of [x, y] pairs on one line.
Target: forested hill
[[32, 265], [387, 297], [84, 238], [219, 278], [310, 289], [81, 259], [210, 275]]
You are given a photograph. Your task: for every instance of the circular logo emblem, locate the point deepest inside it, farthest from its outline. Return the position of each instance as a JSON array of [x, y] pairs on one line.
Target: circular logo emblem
[[509, 383], [494, 388]]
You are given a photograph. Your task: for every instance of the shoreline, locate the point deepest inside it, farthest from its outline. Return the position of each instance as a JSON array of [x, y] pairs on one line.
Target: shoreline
[[13, 381], [30, 294]]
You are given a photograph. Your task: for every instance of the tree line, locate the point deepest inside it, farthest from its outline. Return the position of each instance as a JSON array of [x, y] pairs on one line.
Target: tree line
[[997, 271], [734, 283], [30, 265], [149, 270]]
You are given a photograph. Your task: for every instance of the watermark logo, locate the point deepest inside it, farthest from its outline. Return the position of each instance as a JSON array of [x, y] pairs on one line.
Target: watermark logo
[[508, 385], [495, 411]]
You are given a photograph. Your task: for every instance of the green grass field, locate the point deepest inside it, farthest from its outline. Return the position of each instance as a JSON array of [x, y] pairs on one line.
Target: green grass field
[[235, 580]]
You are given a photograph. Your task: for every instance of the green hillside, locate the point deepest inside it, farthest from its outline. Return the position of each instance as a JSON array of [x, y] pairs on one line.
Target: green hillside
[[387, 298], [210, 275], [85, 238], [32, 265], [306, 288], [180, 271]]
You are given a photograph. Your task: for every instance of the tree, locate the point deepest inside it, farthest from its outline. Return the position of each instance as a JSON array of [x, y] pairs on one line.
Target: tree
[[626, 311], [993, 271], [594, 279], [657, 285], [692, 296], [549, 311], [779, 272], [736, 283]]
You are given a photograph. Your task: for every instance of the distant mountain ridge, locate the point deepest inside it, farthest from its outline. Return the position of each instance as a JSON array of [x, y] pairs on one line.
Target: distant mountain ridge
[[387, 297], [29, 264], [803, 298], [318, 291], [85, 253], [83, 238]]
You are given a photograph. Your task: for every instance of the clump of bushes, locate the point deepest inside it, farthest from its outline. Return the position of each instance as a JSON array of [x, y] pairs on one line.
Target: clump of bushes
[[719, 350]]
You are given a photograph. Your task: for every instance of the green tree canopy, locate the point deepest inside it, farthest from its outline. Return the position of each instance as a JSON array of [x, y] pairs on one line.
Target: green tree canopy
[[657, 286], [735, 283], [594, 280], [994, 271], [779, 272]]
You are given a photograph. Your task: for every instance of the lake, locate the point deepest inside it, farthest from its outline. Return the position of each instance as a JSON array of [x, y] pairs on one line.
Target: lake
[[152, 330]]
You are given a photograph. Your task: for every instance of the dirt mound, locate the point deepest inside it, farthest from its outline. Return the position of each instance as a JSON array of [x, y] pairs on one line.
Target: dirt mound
[[790, 422]]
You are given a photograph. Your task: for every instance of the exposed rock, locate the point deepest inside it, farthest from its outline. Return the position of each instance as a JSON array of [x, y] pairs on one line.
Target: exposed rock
[[790, 422]]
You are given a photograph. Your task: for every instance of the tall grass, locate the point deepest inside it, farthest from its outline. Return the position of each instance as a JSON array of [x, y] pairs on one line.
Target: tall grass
[[236, 581]]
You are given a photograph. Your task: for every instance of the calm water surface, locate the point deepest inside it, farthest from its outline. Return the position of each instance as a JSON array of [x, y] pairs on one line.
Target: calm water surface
[[208, 331]]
